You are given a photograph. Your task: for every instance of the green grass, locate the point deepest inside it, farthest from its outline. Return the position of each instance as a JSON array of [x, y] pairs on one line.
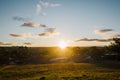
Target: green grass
[[58, 71]]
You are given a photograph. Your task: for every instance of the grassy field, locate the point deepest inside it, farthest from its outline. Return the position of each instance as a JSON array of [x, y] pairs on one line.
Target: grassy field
[[58, 71]]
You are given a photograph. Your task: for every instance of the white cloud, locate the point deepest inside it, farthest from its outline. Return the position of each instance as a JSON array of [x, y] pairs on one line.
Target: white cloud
[[55, 5], [44, 4], [41, 4], [48, 4], [3, 43], [38, 8]]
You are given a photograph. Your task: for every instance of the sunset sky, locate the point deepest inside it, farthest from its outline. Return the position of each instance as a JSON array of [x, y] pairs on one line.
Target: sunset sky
[[47, 22]]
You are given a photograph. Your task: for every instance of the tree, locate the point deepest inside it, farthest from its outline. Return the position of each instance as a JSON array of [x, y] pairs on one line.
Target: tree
[[115, 47], [96, 52]]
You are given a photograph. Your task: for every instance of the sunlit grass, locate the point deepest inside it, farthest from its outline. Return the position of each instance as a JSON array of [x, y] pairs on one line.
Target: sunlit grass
[[60, 71]]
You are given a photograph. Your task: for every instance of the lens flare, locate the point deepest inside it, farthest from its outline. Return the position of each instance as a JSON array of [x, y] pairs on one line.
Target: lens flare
[[62, 44]]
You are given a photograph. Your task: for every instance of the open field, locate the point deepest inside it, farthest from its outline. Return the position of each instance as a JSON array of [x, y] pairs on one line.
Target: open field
[[58, 71]]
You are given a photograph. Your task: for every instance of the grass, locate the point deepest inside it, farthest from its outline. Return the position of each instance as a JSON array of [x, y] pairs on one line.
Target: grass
[[58, 71]]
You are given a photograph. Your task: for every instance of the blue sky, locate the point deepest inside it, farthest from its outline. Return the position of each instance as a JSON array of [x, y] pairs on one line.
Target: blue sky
[[47, 22]]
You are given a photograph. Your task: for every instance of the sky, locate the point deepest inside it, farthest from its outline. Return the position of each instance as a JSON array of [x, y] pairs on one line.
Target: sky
[[39, 23]]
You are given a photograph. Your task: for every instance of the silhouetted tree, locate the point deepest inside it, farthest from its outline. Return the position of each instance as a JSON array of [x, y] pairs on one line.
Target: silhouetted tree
[[4, 55], [115, 47], [96, 53]]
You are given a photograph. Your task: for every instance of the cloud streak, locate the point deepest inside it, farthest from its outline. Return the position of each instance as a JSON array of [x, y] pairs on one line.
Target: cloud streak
[[3, 43], [20, 18], [115, 36], [103, 31], [16, 35], [44, 34], [21, 36], [48, 4], [97, 40], [55, 5], [27, 43], [33, 24]]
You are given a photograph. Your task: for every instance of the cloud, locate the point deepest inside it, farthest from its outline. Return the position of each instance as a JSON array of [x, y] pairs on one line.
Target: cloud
[[41, 5], [115, 36], [103, 31], [20, 18], [33, 24], [2, 43], [38, 8], [49, 32], [16, 35], [48, 4], [27, 43], [44, 4], [55, 5], [97, 40], [44, 34], [108, 33], [44, 13], [21, 36]]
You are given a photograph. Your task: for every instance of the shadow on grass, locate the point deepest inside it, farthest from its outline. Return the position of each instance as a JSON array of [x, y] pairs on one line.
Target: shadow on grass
[[107, 64]]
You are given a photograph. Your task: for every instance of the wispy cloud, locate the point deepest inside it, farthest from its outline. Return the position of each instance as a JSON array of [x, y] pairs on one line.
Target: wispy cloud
[[21, 36], [103, 31], [44, 4], [27, 43], [38, 8], [48, 4], [3, 43], [115, 36], [55, 5], [41, 4], [33, 24], [97, 40], [44, 34], [49, 32], [20, 18], [107, 33]]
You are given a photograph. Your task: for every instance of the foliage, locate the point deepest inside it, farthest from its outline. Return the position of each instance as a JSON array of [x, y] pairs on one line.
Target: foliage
[[115, 46]]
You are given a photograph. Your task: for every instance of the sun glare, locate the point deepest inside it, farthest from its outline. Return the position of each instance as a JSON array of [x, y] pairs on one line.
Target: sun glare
[[62, 44]]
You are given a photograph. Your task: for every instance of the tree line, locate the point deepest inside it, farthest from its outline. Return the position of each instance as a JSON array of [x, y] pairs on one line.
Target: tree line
[[32, 55]]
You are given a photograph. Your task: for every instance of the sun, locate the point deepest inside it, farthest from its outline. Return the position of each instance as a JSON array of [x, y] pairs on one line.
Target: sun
[[62, 44]]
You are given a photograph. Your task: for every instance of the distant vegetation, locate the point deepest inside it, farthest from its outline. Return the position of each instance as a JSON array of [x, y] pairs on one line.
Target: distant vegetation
[[34, 55]]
